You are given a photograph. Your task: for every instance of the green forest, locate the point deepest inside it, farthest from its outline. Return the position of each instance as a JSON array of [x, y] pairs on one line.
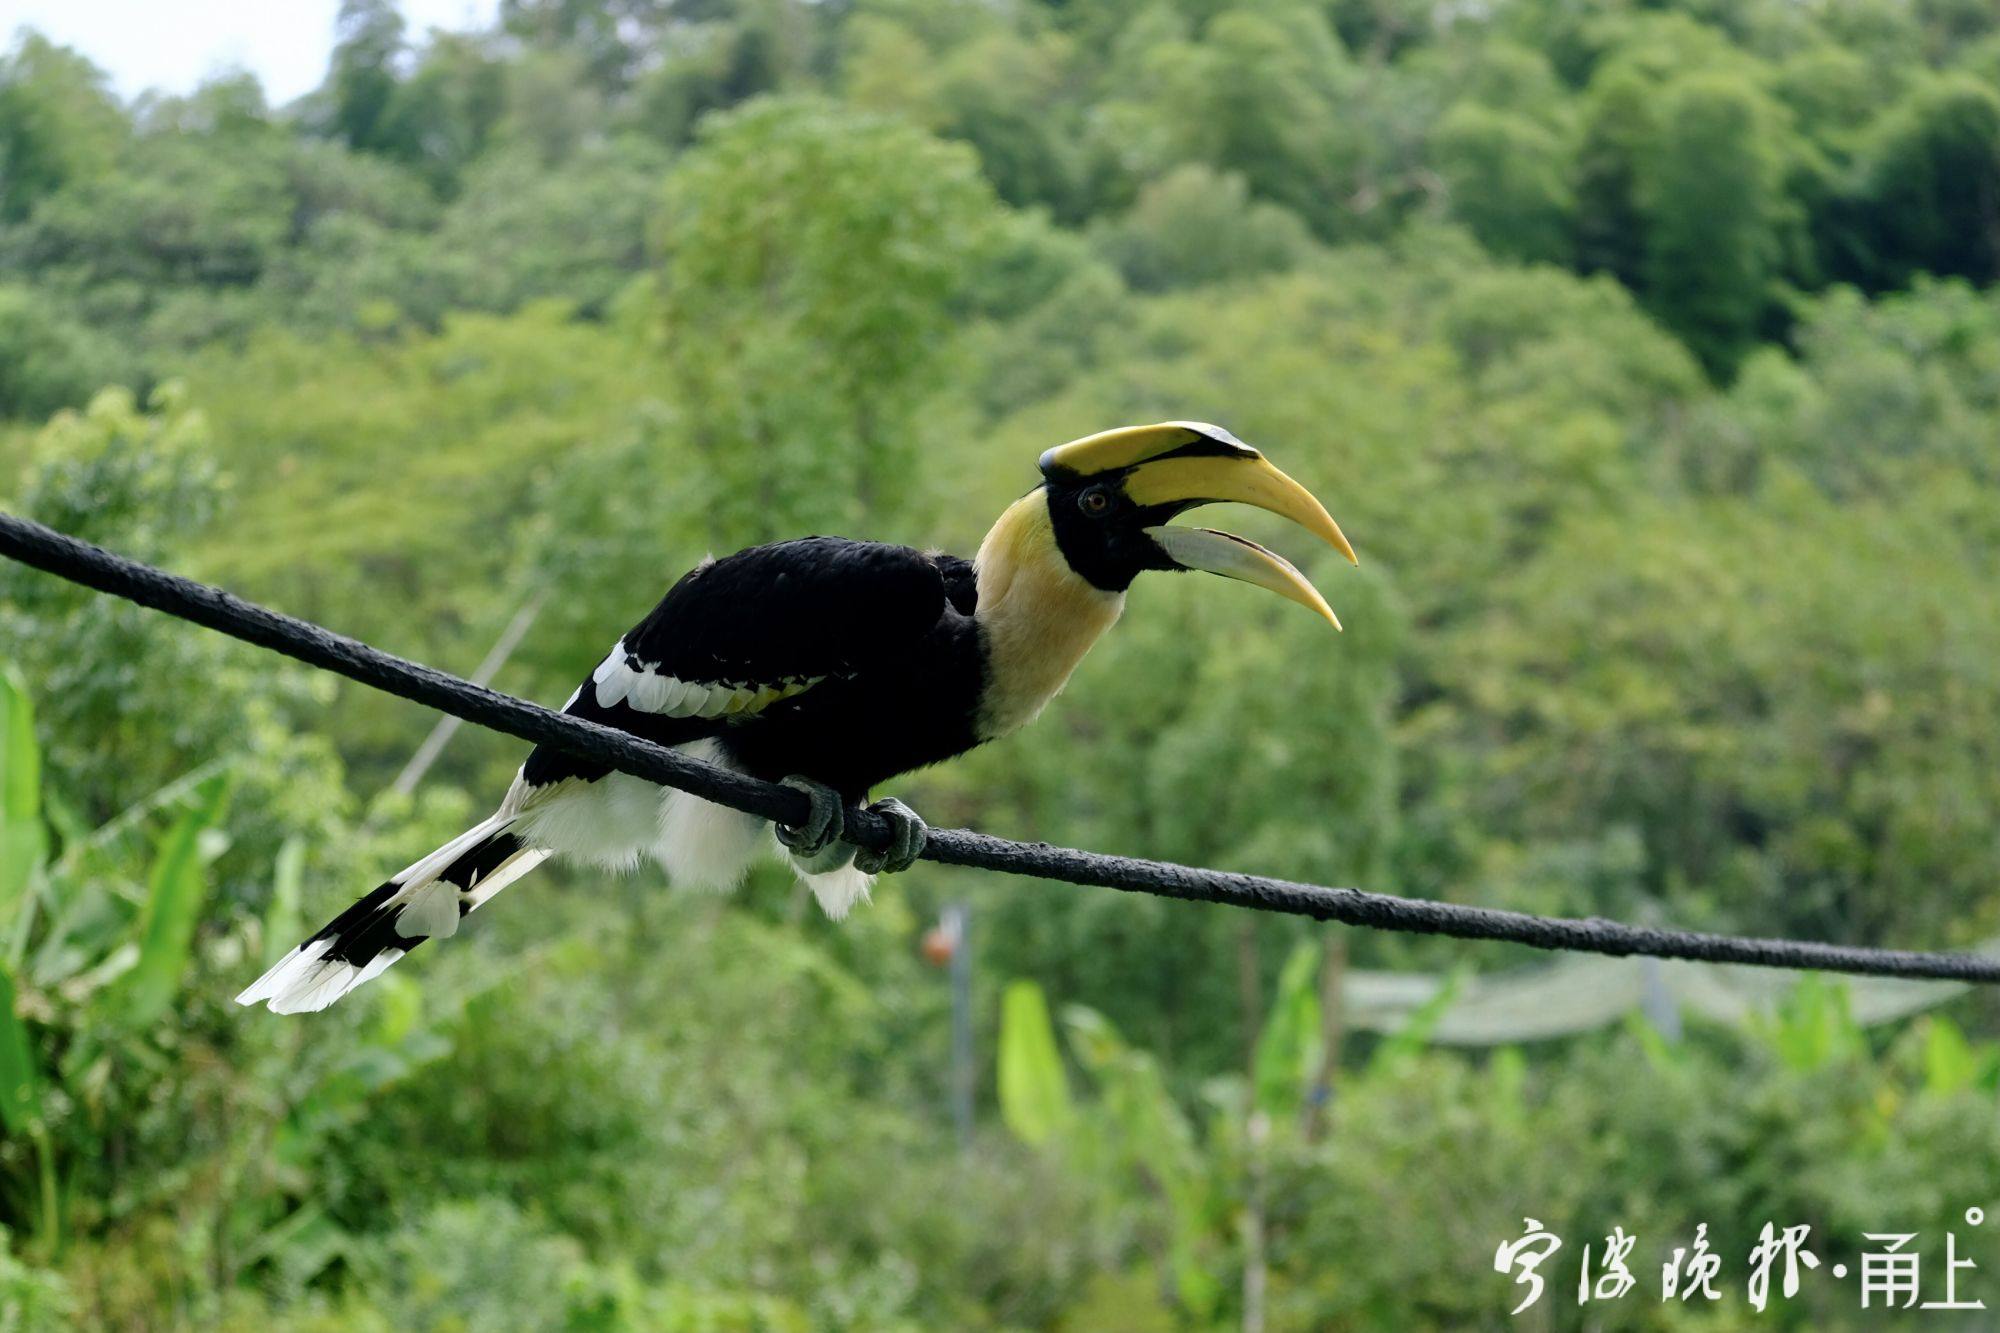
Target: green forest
[[1648, 351]]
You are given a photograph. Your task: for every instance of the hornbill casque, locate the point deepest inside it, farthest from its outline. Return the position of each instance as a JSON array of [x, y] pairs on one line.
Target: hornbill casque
[[833, 666]]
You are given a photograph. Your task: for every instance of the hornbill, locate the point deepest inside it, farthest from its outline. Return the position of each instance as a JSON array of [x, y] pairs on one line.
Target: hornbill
[[833, 665]]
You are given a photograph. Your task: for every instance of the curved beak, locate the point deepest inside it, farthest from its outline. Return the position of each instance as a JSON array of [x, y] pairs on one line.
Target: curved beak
[[1243, 480], [1181, 483], [1236, 557]]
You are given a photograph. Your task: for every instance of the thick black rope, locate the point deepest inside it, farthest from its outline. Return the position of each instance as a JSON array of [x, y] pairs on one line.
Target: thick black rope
[[80, 562]]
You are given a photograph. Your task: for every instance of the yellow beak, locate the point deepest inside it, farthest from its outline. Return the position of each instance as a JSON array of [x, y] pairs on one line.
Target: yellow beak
[[1236, 557], [1251, 480]]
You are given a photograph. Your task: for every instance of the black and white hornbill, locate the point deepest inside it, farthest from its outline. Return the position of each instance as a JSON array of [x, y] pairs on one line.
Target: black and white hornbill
[[833, 665]]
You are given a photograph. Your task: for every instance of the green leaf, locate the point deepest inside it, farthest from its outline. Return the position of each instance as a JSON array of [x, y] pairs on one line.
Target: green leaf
[[1660, 1054], [23, 836], [176, 889], [1097, 1045], [1507, 1084], [1291, 1045], [87, 922], [20, 1080], [1145, 1129], [1951, 1065], [1133, 1102], [20, 758], [1415, 1034], [282, 926], [1034, 1090], [1814, 1027], [305, 1244], [106, 838]]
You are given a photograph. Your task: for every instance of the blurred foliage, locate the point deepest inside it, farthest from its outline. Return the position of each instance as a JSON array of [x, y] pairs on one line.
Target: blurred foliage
[[1647, 349], [798, 359]]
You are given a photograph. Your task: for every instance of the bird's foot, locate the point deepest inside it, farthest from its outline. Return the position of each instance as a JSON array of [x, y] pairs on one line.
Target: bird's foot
[[823, 827], [907, 835], [819, 845]]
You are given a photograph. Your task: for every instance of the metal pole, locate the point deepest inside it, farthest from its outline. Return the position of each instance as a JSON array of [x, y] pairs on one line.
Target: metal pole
[[1656, 999], [958, 924]]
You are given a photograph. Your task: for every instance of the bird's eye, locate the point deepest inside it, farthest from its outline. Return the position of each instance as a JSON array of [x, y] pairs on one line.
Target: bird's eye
[[1094, 501]]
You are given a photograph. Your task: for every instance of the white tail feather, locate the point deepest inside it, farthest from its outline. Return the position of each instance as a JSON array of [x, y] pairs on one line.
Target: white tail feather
[[412, 906]]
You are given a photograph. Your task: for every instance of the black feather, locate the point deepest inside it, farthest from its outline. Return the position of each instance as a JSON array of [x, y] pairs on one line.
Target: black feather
[[367, 928], [886, 631]]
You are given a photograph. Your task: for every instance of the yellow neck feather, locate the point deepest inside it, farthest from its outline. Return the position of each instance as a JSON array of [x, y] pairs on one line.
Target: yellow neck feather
[[1040, 616]]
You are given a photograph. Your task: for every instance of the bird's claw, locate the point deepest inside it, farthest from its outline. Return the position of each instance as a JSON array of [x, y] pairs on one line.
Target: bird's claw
[[819, 844], [907, 835], [822, 828]]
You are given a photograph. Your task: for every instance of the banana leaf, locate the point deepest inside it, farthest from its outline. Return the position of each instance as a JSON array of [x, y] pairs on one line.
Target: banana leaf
[[282, 919], [1290, 1047], [175, 892], [20, 1080], [1409, 1040], [1034, 1090], [23, 836]]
